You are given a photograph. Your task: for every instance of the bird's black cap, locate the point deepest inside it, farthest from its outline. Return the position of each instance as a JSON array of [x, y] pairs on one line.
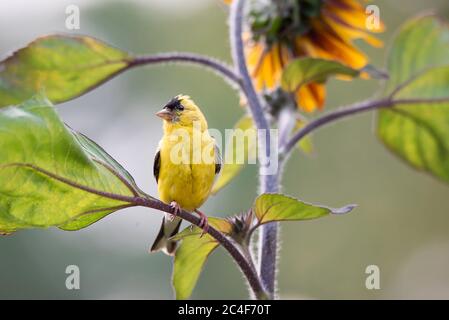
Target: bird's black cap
[[174, 104]]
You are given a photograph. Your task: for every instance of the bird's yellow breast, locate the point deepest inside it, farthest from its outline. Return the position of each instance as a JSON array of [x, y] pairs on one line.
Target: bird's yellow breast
[[186, 182]]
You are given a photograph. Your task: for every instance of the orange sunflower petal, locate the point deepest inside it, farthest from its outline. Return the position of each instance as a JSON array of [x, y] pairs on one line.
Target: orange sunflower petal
[[349, 33], [268, 70], [306, 45], [352, 13], [310, 97], [277, 64], [331, 37], [319, 93], [254, 55], [338, 48]]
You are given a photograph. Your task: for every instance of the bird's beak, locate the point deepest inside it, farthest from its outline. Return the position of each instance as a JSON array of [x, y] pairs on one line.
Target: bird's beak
[[165, 114]]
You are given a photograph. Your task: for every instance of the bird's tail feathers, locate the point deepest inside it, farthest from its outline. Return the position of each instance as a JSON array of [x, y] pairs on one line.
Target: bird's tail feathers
[[162, 242]]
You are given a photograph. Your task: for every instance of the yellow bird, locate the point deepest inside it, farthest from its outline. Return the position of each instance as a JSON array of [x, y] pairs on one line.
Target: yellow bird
[[185, 166]]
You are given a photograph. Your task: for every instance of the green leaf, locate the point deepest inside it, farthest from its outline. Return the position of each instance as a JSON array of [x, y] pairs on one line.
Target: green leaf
[[305, 70], [189, 261], [98, 153], [278, 207], [64, 66], [53, 176], [421, 43], [192, 254], [418, 130], [242, 146]]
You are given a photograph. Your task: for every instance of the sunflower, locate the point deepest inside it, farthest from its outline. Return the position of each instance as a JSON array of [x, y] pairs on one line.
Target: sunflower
[[281, 31]]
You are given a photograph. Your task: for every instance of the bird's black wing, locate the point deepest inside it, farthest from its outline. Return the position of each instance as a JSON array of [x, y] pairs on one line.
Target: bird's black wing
[[157, 164], [218, 160]]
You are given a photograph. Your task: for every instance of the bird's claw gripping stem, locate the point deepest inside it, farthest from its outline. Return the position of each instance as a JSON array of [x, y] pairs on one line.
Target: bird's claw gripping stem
[[204, 223], [176, 210]]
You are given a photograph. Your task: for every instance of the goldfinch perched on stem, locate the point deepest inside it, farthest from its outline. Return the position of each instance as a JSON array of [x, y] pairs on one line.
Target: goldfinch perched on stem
[[185, 166]]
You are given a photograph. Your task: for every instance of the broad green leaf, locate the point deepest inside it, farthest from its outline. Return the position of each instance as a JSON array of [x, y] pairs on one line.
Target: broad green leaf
[[418, 131], [189, 261], [240, 149], [278, 207], [53, 176], [421, 43], [98, 153], [64, 66], [305, 70], [192, 254]]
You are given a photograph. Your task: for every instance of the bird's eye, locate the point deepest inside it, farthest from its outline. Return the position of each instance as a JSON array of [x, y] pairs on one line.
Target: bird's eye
[[180, 107]]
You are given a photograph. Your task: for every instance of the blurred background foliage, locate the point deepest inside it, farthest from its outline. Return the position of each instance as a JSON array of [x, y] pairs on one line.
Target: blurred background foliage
[[401, 223]]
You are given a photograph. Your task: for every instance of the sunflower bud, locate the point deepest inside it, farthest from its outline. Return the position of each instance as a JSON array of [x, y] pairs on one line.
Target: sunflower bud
[[241, 226]]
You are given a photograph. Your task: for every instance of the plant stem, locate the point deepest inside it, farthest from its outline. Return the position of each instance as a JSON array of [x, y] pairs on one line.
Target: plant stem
[[333, 116], [238, 55], [268, 182], [245, 265], [240, 258], [351, 110], [192, 58], [268, 240]]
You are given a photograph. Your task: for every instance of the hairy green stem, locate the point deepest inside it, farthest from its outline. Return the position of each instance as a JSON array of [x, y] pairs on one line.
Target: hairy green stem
[[139, 199], [243, 80], [192, 58], [348, 111], [243, 261], [331, 117], [268, 182]]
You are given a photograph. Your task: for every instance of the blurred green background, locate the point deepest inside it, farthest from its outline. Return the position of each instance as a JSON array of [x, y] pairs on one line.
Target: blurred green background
[[401, 224]]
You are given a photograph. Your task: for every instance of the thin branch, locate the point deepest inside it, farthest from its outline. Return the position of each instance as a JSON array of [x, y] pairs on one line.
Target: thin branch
[[245, 265], [268, 183], [238, 55], [243, 81], [344, 112], [331, 117], [68, 182], [192, 58]]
